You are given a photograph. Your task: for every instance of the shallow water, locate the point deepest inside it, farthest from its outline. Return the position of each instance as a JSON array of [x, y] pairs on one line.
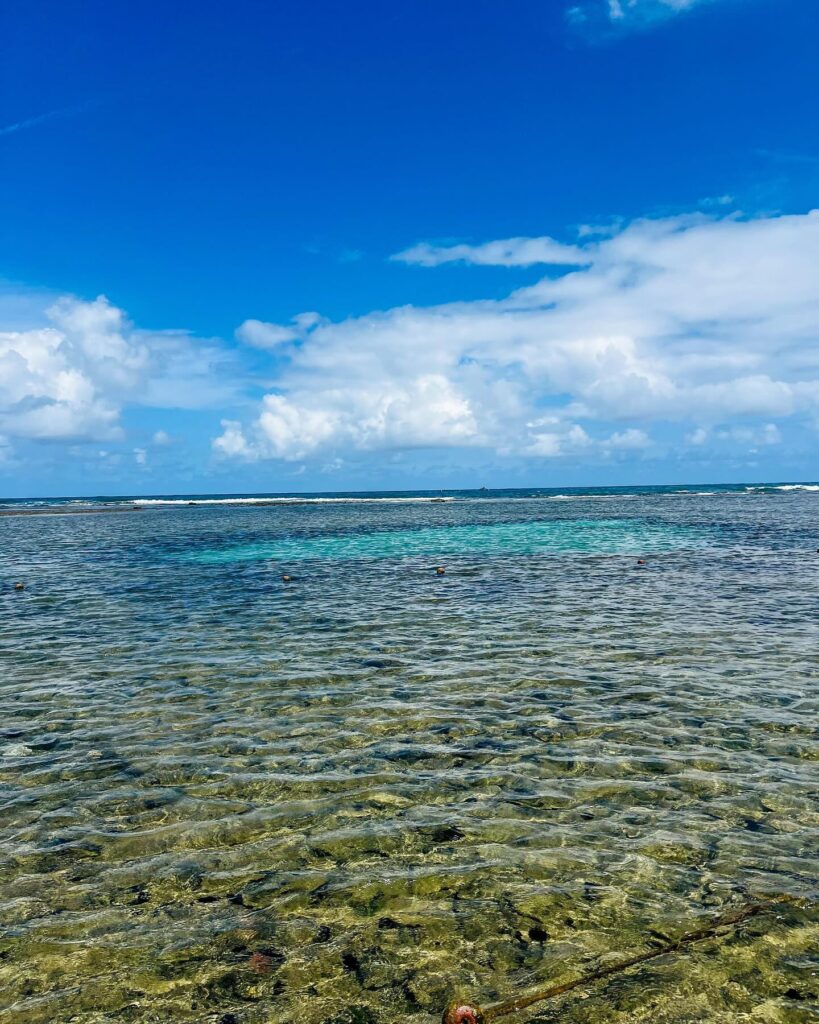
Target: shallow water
[[341, 798]]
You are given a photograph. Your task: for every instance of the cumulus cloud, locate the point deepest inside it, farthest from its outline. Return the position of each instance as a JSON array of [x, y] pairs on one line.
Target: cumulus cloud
[[699, 329], [560, 439], [628, 440], [695, 320], [424, 411], [507, 252], [232, 441], [69, 378]]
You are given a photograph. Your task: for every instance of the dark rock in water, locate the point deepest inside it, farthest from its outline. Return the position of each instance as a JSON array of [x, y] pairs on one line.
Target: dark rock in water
[[408, 755], [380, 662], [351, 962], [538, 934], [444, 834], [272, 954], [799, 997], [228, 1018], [388, 924]]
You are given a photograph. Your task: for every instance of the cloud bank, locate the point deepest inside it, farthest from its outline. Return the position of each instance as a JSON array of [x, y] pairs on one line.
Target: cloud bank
[[695, 322], [69, 380], [663, 338]]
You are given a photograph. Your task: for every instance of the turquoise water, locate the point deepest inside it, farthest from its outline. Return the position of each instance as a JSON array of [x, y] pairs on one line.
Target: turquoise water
[[604, 536], [337, 800]]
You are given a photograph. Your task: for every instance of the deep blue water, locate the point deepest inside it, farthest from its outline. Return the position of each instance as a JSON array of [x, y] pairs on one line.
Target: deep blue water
[[380, 496]]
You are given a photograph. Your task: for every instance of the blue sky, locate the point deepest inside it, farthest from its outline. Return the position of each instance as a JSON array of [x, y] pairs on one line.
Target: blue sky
[[256, 246]]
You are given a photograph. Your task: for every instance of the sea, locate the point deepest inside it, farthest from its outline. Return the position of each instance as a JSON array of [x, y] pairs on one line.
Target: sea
[[340, 758]]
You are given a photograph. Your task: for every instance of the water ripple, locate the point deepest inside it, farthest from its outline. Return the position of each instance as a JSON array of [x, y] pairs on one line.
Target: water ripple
[[333, 800]]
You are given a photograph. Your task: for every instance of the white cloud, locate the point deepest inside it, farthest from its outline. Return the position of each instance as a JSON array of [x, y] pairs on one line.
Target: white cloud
[[264, 335], [231, 442], [704, 324], [69, 378], [424, 411], [259, 334], [697, 320], [629, 440], [307, 321], [565, 440], [141, 456], [767, 434], [771, 434], [507, 252], [630, 14]]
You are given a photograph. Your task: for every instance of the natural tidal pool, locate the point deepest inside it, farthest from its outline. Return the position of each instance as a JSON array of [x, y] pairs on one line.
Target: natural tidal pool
[[604, 536], [340, 800]]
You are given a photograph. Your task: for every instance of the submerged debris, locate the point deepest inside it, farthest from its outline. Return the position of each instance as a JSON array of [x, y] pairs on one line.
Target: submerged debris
[[461, 1012]]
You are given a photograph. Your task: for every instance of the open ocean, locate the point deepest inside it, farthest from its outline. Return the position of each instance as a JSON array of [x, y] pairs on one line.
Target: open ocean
[[343, 797]]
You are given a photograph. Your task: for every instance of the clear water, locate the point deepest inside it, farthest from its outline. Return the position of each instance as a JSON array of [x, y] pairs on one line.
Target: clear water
[[340, 799], [608, 536]]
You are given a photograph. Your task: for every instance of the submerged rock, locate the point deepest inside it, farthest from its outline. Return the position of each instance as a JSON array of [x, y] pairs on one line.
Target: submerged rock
[[354, 1015], [17, 750]]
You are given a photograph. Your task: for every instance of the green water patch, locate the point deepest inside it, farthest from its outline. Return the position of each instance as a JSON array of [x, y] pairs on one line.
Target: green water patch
[[593, 536]]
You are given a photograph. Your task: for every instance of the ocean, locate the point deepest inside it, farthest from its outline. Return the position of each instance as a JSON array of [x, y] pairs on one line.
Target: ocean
[[262, 761]]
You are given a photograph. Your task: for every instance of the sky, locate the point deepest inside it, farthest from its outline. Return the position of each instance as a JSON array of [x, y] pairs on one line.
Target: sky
[[277, 247]]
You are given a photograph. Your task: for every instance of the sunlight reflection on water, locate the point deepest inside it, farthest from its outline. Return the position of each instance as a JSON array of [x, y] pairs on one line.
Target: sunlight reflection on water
[[332, 801]]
